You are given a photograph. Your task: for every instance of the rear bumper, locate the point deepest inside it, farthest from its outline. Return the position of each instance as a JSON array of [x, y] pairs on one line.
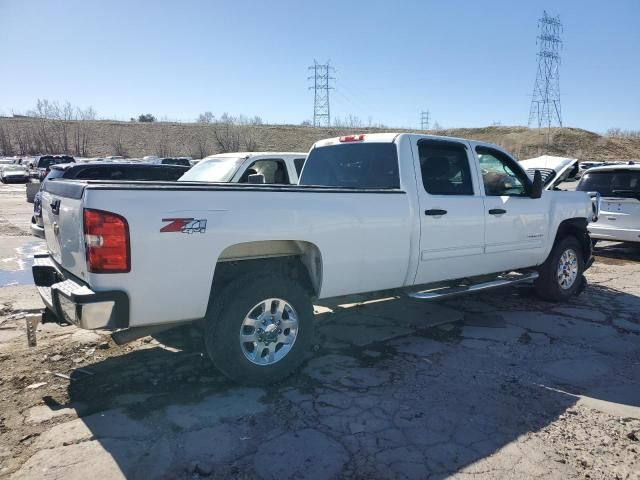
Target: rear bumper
[[614, 234], [74, 302]]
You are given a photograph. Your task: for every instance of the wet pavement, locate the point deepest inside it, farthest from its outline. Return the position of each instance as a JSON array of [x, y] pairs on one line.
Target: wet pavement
[[499, 385]]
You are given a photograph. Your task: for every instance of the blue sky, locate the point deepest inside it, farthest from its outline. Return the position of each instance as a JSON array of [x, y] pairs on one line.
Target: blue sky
[[471, 63]]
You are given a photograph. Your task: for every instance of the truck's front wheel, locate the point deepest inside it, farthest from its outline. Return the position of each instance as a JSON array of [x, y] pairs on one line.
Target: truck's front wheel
[[561, 275], [259, 329]]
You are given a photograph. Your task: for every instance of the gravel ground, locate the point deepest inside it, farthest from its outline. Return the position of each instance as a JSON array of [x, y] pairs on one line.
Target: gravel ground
[[499, 385]]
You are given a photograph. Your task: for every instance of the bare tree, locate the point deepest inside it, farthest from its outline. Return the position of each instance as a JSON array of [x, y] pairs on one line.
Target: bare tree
[[206, 117], [117, 143], [164, 146], [250, 142], [81, 134], [6, 148], [227, 136], [201, 146]]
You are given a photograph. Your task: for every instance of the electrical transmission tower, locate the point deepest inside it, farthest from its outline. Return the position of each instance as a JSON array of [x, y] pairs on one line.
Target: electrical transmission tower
[[545, 103], [321, 85], [425, 116]]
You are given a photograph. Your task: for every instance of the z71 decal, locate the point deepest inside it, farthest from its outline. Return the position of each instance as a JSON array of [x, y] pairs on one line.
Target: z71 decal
[[184, 225]]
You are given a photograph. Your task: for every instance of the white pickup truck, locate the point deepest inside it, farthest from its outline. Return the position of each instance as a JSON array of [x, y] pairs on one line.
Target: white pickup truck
[[427, 216]]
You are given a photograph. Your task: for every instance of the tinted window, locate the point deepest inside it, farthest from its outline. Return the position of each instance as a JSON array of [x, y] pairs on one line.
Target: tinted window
[[353, 165], [500, 174], [134, 173], [617, 183], [47, 161], [274, 171], [299, 163], [445, 168], [97, 173], [55, 173], [150, 173], [176, 161]]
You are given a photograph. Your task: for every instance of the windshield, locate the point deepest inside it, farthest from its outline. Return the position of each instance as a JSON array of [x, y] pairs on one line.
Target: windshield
[[612, 183], [220, 169]]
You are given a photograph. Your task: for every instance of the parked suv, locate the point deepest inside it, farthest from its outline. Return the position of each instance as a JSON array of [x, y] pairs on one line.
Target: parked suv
[[102, 171], [43, 163], [619, 188]]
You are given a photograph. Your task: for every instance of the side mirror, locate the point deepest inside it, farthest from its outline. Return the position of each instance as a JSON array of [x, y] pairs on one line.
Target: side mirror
[[536, 190], [256, 178]]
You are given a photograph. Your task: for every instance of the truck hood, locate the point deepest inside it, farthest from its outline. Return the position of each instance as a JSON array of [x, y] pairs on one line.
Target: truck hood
[[554, 170]]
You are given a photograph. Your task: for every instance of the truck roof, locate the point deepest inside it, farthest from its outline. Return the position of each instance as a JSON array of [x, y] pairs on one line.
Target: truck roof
[[391, 137], [253, 154]]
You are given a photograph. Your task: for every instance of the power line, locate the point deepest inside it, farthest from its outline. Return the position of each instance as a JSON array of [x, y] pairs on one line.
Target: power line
[[425, 117], [321, 85], [545, 108]]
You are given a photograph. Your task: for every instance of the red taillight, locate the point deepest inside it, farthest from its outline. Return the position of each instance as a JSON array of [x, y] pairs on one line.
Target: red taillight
[[352, 138], [106, 240]]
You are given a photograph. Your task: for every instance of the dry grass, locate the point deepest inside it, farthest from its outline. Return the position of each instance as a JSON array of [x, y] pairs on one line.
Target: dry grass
[[140, 139]]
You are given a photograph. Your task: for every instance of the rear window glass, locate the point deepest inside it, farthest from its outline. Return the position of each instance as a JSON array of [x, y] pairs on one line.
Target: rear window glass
[[354, 165], [176, 161], [616, 183], [46, 162], [55, 173], [132, 173]]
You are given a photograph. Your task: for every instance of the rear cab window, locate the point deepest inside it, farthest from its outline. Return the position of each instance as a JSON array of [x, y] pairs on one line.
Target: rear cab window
[[353, 165]]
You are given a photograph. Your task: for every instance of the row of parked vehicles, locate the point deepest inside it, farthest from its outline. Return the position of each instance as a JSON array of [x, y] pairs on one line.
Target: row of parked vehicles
[[242, 244]]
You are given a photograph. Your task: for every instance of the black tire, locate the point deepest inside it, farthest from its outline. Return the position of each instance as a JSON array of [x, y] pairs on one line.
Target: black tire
[[594, 242], [547, 285], [225, 319]]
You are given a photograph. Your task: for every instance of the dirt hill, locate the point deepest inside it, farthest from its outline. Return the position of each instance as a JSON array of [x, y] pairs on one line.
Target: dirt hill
[[102, 137]]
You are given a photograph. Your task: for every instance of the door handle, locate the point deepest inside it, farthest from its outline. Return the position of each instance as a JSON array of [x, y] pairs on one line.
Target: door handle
[[497, 211], [435, 211], [55, 207]]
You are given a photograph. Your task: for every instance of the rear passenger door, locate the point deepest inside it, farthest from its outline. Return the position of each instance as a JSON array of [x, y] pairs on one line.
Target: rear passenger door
[[451, 211]]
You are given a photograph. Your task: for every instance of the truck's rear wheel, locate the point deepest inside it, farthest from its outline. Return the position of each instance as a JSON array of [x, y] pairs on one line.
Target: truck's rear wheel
[[561, 275], [259, 328]]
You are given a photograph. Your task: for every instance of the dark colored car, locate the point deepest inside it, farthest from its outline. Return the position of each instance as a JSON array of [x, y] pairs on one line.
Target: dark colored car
[[102, 171], [43, 163]]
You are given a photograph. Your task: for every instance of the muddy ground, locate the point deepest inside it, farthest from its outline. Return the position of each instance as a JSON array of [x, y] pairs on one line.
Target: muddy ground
[[498, 385]]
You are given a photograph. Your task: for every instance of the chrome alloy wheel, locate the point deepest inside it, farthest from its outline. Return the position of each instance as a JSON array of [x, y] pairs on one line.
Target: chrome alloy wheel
[[567, 269], [269, 331]]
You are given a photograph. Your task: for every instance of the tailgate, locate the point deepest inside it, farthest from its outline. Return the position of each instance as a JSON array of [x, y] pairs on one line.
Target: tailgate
[[63, 225], [620, 213]]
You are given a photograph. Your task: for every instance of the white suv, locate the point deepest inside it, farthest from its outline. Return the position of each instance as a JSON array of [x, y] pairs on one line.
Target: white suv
[[619, 187]]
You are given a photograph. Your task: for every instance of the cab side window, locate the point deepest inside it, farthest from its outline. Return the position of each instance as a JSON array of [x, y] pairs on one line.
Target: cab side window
[[499, 175], [274, 171], [445, 168]]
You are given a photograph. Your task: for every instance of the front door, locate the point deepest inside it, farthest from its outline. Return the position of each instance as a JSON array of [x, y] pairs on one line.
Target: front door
[[516, 224], [451, 211]]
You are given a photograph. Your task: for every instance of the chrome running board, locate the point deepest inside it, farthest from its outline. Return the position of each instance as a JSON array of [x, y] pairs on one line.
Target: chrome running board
[[477, 287]]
